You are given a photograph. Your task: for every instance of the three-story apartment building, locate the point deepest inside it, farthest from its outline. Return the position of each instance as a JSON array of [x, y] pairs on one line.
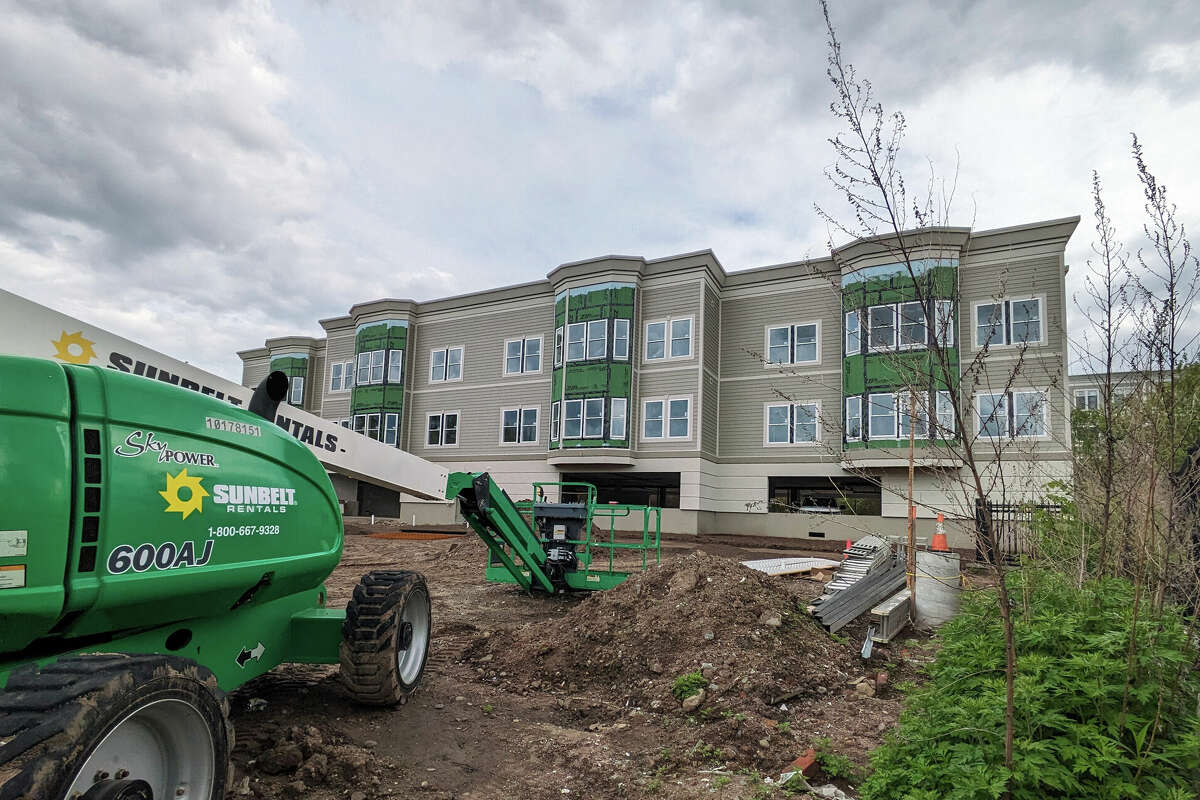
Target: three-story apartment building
[[732, 399]]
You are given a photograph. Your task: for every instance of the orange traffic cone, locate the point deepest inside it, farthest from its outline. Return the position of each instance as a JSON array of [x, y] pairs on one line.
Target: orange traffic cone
[[939, 537], [846, 552]]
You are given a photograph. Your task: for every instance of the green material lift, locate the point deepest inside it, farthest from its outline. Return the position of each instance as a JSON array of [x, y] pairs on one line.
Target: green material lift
[[548, 547]]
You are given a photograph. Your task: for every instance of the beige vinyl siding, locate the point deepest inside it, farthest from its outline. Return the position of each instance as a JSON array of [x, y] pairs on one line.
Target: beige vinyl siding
[[667, 383], [712, 330], [312, 389], [254, 370], [742, 430], [483, 336], [744, 321], [684, 299], [709, 414], [339, 348], [479, 420]]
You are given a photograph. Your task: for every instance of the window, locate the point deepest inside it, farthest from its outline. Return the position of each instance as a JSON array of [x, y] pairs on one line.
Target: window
[[792, 423], [347, 375], [1087, 399], [1029, 413], [913, 330], [853, 419], [391, 428], [373, 426], [523, 355], [943, 322], [593, 418], [669, 338], [395, 366], [446, 364], [1008, 322], [993, 415], [345, 423], [296, 397], [377, 366], [681, 338], [576, 341], [793, 344], [620, 340], [360, 423], [519, 426], [904, 408], [853, 337], [944, 410], [573, 422], [558, 345], [335, 376], [364, 369], [652, 419], [656, 338], [442, 429], [883, 416], [554, 421], [667, 418], [616, 416], [881, 327], [597, 339]]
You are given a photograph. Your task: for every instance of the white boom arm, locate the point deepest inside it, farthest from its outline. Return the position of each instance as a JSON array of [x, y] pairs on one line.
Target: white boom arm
[[30, 329]]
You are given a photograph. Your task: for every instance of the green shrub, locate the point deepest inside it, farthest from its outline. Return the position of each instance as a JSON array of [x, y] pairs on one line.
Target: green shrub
[[1071, 738], [688, 684], [834, 765]]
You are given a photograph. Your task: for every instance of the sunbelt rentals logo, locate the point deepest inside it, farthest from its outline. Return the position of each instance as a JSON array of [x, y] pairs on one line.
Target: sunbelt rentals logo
[[73, 348], [191, 486]]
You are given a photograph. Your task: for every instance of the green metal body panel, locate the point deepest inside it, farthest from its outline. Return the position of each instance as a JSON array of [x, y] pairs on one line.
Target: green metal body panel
[[149, 508], [583, 580], [237, 645]]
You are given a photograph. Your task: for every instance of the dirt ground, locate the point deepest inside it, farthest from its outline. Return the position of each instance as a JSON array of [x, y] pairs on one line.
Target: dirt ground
[[570, 696]]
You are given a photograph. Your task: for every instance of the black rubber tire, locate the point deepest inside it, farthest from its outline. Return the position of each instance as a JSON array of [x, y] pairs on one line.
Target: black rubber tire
[[370, 642], [53, 717]]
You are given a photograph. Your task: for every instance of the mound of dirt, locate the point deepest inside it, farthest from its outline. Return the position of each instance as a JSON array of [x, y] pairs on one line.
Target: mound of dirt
[[746, 632]]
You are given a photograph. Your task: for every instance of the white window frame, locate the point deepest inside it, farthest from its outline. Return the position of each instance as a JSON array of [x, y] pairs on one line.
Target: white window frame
[[445, 352], [943, 416], [662, 418], [943, 335], [624, 355], [395, 358], [555, 421], [791, 424], [613, 417], [872, 348], [379, 364], [582, 341], [359, 424], [1084, 393], [335, 369], [391, 424], [668, 324], [558, 347], [899, 313], [376, 418], [857, 332], [368, 364], [791, 345], [902, 408], [586, 402], [871, 415], [567, 415], [666, 417], [600, 325], [1006, 323], [524, 356], [441, 415], [296, 391], [1010, 416], [857, 400], [521, 440], [362, 369]]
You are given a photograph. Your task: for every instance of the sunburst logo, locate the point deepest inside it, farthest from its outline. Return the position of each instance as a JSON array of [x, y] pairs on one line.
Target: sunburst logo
[[196, 493], [73, 348]]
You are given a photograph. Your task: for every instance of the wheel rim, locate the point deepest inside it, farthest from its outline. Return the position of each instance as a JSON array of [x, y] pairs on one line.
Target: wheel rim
[[416, 616], [166, 743]]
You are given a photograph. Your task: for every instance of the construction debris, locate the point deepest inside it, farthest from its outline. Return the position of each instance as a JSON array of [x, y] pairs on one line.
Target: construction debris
[[873, 570], [891, 616], [790, 566]]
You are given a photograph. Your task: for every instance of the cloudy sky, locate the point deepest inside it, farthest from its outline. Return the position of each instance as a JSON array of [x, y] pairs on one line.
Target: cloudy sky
[[202, 175]]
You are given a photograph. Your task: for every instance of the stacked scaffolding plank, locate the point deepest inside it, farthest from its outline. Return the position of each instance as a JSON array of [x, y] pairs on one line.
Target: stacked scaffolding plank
[[873, 571]]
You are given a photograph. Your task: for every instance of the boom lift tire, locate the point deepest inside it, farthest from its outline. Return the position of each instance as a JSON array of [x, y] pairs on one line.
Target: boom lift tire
[[385, 638], [114, 726]]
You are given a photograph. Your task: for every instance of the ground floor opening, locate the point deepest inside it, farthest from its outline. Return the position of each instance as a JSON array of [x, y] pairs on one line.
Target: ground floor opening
[[634, 488]]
